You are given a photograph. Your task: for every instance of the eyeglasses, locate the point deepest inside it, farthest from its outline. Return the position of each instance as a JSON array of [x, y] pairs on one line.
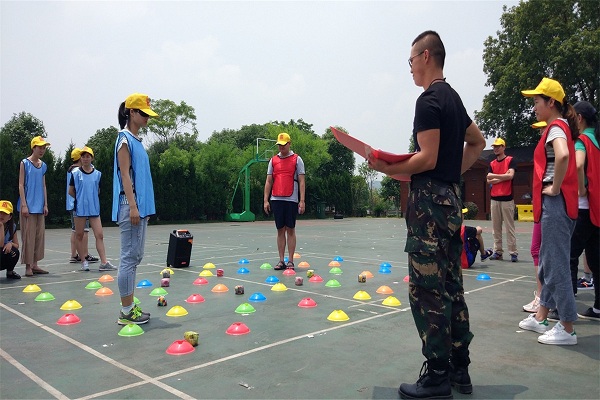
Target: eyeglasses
[[410, 60], [142, 114]]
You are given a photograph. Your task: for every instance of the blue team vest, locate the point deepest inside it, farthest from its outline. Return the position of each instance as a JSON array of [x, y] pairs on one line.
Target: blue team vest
[[141, 177], [34, 186], [70, 199], [87, 192]]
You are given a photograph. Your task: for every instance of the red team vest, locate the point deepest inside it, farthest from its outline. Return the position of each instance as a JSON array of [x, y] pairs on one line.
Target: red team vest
[[501, 167], [284, 170], [569, 185], [593, 178]]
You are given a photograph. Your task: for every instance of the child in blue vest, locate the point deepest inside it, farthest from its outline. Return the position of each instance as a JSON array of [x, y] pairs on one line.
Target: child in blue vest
[[85, 188]]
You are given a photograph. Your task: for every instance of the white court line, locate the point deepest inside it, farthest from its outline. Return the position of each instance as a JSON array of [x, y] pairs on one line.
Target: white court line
[[28, 373], [97, 354]]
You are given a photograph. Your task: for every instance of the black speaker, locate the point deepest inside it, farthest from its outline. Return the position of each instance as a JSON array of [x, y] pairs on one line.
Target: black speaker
[[180, 249]]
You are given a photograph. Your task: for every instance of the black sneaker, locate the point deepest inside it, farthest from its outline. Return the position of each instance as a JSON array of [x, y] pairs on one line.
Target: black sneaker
[[460, 379], [75, 259], [135, 316], [553, 316], [432, 384], [91, 259], [590, 314]]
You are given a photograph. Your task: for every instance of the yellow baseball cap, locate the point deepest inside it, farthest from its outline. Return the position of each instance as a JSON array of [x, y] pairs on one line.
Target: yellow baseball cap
[[138, 101], [6, 207], [76, 154], [38, 141], [283, 138], [465, 210], [499, 142], [547, 87], [540, 124], [87, 150]]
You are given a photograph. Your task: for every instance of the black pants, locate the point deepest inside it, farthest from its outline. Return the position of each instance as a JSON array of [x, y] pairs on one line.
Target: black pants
[[9, 261], [586, 237]]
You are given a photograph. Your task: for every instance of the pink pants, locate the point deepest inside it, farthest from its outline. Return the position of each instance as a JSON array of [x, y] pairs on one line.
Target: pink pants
[[536, 241]]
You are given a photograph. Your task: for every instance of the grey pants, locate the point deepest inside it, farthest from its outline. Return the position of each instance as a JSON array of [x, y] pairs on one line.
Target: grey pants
[[555, 251]]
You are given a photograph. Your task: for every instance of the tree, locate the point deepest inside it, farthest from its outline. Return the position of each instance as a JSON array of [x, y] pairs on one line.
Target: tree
[[390, 189], [15, 144], [174, 119], [539, 38], [369, 176]]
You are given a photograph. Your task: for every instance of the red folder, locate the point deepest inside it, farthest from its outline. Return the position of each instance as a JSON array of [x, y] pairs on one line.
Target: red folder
[[363, 149]]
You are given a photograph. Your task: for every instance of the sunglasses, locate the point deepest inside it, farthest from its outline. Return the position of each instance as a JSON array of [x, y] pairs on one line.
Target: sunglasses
[[410, 60], [142, 114]]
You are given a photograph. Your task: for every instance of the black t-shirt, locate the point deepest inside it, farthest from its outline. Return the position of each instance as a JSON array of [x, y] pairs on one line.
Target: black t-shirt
[[440, 107]]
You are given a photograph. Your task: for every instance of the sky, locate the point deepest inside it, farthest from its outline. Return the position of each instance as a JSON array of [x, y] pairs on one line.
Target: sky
[[330, 63]]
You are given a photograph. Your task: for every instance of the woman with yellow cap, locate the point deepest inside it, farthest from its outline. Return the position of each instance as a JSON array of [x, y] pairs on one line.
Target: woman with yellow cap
[[9, 253], [555, 208], [133, 200], [33, 206]]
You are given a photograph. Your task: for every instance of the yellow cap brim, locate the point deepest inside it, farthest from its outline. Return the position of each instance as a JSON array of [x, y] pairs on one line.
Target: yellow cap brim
[[149, 112]]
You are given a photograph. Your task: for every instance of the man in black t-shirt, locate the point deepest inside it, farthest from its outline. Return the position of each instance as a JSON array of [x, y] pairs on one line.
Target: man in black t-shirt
[[433, 217]]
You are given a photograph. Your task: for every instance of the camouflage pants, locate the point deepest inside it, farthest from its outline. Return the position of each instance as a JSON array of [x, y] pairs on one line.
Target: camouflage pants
[[436, 290]]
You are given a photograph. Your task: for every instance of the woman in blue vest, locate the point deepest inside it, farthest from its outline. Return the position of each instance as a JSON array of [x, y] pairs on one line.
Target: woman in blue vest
[[33, 206], [133, 200]]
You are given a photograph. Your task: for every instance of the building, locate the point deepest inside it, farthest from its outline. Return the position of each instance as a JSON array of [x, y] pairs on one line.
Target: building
[[475, 189]]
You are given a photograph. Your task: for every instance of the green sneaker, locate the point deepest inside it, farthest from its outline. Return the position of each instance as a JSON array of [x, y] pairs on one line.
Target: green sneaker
[[135, 316]]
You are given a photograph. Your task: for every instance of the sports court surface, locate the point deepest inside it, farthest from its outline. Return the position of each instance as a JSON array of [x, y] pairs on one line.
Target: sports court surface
[[290, 351]]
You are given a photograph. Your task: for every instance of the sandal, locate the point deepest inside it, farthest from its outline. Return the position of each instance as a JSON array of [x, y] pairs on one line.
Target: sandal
[[12, 275], [280, 265], [39, 271], [290, 265], [487, 253]]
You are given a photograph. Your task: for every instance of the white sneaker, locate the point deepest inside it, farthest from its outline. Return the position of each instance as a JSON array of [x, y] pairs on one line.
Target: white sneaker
[[534, 305], [531, 324], [559, 336], [107, 267], [85, 266]]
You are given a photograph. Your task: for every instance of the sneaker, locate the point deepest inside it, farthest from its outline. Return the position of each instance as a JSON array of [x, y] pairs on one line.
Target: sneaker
[[496, 256], [75, 259], [513, 258], [534, 306], [107, 267], [559, 336], [531, 324], [584, 284], [590, 314], [487, 254], [140, 309], [85, 266], [91, 259], [553, 316], [135, 316]]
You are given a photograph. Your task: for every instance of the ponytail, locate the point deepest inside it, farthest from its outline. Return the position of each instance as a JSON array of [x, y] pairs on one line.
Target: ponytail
[[568, 112], [123, 115]]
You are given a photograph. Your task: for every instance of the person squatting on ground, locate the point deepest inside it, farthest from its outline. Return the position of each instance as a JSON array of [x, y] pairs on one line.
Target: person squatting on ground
[[70, 202], [85, 188], [587, 228], [500, 177], [472, 244], [33, 206], [9, 254], [285, 187], [133, 200], [434, 218], [555, 207]]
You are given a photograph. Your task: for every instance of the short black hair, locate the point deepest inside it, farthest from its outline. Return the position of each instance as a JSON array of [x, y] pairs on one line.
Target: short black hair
[[430, 40]]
